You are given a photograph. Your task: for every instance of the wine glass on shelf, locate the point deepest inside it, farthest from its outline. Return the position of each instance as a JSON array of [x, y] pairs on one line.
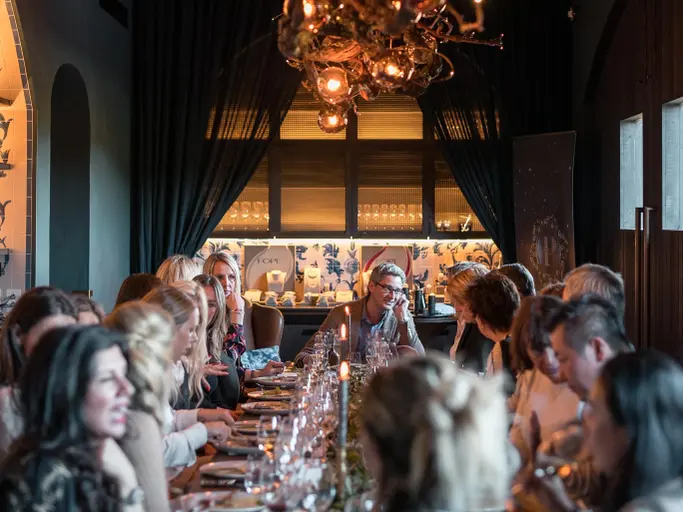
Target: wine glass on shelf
[[375, 215], [233, 213], [385, 215], [245, 212], [367, 212], [257, 212]]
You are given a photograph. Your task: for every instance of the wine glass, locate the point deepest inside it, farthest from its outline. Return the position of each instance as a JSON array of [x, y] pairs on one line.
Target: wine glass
[[267, 431]]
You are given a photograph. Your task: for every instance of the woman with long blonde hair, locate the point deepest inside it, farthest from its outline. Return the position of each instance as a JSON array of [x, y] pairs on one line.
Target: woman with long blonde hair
[[150, 333], [184, 310], [435, 438], [224, 268], [178, 268], [223, 390]]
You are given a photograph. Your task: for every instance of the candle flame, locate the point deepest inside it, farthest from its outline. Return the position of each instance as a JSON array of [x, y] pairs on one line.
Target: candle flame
[[343, 331], [347, 310], [344, 370]]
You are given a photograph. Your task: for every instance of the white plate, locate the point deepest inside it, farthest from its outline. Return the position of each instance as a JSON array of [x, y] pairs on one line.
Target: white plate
[[270, 395], [218, 501], [233, 447], [228, 469], [266, 408], [249, 427], [284, 380]]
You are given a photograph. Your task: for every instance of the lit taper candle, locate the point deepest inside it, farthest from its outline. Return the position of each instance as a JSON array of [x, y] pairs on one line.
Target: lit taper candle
[[343, 426]]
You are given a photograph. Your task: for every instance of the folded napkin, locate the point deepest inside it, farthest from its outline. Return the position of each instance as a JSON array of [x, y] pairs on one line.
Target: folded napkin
[[258, 358]]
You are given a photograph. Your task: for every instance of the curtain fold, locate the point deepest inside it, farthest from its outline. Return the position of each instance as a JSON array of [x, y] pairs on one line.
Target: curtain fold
[[467, 122], [209, 89]]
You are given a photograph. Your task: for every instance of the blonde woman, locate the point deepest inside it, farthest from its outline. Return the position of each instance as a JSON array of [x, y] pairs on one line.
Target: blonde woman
[[177, 268], [150, 333], [470, 347], [185, 313], [200, 368], [435, 438], [224, 268], [223, 390]]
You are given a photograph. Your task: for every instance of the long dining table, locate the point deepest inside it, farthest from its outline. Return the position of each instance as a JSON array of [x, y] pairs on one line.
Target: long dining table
[[190, 480]]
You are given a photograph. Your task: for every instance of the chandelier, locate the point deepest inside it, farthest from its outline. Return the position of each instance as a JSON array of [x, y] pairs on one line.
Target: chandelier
[[363, 48]]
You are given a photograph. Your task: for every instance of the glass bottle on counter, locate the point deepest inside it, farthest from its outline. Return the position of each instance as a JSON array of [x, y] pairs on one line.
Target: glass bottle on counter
[[333, 348]]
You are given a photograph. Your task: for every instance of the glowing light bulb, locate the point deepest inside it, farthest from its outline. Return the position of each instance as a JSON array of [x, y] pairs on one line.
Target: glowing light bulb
[[333, 84], [333, 120], [309, 9], [392, 70], [477, 1], [397, 5], [311, 26]]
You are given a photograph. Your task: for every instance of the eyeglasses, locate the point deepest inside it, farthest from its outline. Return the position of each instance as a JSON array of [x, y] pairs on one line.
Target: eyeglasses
[[389, 289]]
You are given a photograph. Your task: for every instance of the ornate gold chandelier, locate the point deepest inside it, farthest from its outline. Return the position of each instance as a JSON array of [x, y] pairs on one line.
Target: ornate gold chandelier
[[352, 48]]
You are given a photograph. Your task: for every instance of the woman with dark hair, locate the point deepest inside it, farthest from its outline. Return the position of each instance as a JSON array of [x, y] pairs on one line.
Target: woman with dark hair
[[493, 300], [539, 390], [74, 399], [36, 312], [89, 312], [136, 286], [633, 432]]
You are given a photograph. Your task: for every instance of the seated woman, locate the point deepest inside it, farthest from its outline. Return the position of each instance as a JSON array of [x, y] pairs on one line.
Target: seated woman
[[470, 348], [89, 311], [494, 301], [136, 286], [633, 433], [227, 271], [224, 390], [183, 309], [74, 403], [36, 312], [539, 389], [435, 438], [178, 268], [150, 333]]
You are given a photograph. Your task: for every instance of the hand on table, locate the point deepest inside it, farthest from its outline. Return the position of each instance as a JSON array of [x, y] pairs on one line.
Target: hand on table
[[272, 368], [215, 415], [217, 431]]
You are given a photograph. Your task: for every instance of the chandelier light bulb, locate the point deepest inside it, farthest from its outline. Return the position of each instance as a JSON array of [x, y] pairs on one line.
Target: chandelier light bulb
[[397, 5], [392, 70], [309, 9], [332, 119], [333, 85]]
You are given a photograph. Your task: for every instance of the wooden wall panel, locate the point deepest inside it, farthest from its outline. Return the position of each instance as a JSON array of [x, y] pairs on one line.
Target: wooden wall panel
[[642, 70]]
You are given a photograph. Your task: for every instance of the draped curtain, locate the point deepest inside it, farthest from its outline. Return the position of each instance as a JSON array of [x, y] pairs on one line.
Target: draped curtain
[[467, 122], [209, 88]]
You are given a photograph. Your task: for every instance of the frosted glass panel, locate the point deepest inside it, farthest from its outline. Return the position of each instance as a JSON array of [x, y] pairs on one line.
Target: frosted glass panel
[[631, 171], [672, 146]]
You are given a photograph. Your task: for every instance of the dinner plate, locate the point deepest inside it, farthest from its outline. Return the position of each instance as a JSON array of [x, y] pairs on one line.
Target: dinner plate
[[228, 469], [275, 394], [248, 427], [266, 408], [218, 501], [239, 447], [285, 380]]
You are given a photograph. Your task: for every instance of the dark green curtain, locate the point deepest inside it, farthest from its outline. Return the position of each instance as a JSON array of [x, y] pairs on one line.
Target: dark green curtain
[[209, 87], [497, 95], [466, 112]]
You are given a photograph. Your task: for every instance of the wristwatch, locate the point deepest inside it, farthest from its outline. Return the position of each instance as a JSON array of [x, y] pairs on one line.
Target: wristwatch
[[135, 497]]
